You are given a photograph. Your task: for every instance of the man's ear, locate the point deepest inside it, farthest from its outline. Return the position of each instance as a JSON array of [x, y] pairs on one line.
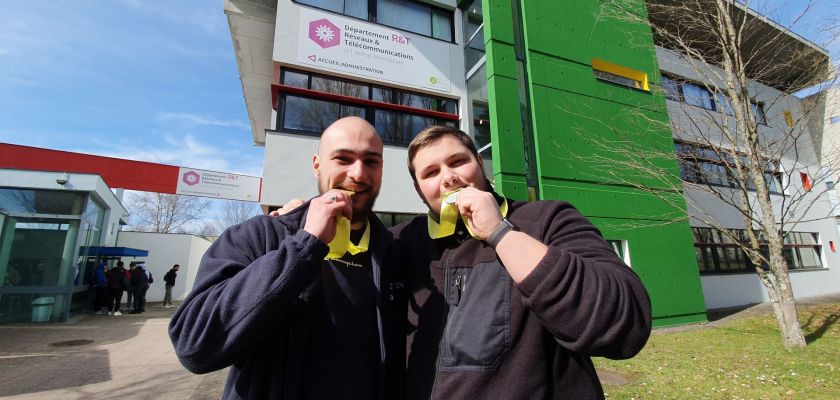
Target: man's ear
[[316, 164]]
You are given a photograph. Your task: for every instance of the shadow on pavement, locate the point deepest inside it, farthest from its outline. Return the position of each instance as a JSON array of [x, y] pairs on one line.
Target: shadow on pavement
[[43, 357], [38, 373]]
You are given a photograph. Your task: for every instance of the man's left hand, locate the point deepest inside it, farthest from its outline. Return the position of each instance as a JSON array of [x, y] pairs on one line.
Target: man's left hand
[[288, 207], [480, 210]]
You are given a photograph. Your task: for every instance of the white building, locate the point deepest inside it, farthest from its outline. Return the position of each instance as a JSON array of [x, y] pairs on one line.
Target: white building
[[296, 80], [166, 250]]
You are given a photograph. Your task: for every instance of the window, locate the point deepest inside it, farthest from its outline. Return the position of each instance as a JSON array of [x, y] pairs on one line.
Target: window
[[619, 74], [409, 15], [671, 88], [28, 201], [835, 120], [724, 104], [704, 165], [310, 115], [474, 50], [758, 112], [308, 103], [696, 94], [353, 8], [399, 128], [717, 252], [473, 18], [481, 128], [621, 250]]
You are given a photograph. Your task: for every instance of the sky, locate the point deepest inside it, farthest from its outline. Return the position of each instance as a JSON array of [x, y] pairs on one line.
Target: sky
[[142, 80], [157, 80]]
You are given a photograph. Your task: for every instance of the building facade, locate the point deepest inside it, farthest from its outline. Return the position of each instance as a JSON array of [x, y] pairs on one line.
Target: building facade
[[542, 86], [49, 221]]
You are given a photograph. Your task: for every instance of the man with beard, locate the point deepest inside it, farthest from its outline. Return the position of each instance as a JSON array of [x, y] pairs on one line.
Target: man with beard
[[309, 305]]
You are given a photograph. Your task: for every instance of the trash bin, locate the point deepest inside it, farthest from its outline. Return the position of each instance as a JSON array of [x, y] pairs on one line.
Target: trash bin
[[42, 309]]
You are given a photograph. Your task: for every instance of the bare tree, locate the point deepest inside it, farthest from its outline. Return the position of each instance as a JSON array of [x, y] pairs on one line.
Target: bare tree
[[735, 66], [235, 212], [164, 212]]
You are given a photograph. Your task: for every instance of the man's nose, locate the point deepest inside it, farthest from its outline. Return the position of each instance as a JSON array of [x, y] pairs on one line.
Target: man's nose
[[356, 171], [451, 180]]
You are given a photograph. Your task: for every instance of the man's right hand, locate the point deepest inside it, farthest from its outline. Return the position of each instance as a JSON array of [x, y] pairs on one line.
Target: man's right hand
[[323, 212]]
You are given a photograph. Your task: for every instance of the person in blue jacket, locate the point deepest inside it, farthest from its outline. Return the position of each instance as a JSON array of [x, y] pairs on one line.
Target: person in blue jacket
[[309, 305], [100, 288]]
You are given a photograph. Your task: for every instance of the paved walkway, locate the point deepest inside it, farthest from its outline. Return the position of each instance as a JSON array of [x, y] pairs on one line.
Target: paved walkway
[[130, 357], [107, 357]]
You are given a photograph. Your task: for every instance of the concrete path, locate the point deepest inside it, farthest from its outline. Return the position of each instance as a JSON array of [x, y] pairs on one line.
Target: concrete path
[[131, 357], [99, 357]]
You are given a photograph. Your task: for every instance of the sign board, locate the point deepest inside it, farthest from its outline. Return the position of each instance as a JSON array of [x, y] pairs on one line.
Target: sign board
[[351, 46], [220, 185]]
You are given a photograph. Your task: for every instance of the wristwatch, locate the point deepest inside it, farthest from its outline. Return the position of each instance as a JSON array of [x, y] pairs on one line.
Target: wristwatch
[[499, 232]]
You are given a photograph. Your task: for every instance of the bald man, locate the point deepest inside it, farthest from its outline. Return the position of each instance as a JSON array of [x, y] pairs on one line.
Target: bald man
[[308, 305]]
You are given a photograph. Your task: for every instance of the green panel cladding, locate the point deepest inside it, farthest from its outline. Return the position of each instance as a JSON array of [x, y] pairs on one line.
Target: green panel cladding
[[579, 124]]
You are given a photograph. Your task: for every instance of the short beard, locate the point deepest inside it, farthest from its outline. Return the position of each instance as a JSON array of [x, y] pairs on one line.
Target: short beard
[[361, 215]]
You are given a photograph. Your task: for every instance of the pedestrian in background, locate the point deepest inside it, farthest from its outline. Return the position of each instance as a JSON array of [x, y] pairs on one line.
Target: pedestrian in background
[[141, 278], [116, 285], [100, 288], [129, 288], [169, 278]]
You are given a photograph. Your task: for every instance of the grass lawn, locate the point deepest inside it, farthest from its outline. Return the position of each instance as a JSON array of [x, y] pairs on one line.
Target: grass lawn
[[741, 359]]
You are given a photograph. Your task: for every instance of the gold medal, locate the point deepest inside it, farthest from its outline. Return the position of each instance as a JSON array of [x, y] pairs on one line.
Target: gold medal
[[444, 225]]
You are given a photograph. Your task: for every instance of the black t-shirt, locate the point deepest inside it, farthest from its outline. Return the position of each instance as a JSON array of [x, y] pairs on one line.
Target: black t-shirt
[[346, 330]]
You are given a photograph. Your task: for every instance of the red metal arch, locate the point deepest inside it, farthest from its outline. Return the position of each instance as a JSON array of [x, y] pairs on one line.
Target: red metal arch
[[116, 172]]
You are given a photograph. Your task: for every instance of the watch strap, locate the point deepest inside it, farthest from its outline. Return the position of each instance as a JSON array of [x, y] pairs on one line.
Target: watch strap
[[499, 232]]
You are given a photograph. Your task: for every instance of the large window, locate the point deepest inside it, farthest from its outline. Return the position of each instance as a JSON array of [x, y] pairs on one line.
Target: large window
[[409, 15], [41, 201], [397, 114], [719, 253], [474, 50], [698, 95], [481, 129], [705, 165]]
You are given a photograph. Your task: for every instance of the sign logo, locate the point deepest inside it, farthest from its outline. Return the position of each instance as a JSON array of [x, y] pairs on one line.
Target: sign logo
[[324, 33], [191, 178]]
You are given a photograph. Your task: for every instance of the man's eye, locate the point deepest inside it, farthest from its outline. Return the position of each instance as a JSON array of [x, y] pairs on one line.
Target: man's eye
[[342, 160], [372, 162], [429, 174], [460, 161]]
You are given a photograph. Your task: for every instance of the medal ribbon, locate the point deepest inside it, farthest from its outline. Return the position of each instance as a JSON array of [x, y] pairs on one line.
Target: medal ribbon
[[341, 243], [445, 225]]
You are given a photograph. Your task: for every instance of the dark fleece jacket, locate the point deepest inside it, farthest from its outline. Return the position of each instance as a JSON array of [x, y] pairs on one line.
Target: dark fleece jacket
[[253, 307], [478, 335]]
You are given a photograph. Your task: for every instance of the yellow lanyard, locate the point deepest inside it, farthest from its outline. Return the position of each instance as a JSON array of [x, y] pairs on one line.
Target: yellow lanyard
[[341, 242], [449, 216]]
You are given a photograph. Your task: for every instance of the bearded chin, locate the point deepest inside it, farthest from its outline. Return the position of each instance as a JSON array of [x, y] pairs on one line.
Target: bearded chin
[[361, 214]]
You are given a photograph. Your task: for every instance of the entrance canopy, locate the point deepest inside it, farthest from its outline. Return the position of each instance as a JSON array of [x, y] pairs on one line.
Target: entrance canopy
[[111, 251]]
